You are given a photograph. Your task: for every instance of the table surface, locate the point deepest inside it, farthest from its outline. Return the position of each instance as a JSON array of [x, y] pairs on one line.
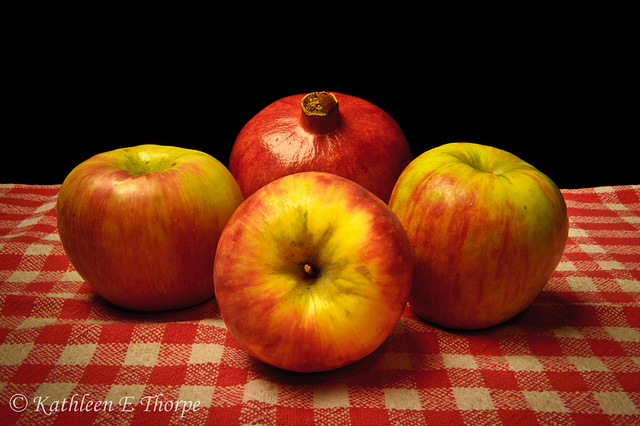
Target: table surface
[[573, 357]]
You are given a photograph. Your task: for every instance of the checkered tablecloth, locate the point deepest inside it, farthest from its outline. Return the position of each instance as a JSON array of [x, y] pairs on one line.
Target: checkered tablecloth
[[573, 357]]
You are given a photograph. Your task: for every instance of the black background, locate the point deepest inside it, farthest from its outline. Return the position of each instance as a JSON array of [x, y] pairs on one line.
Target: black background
[[565, 103]]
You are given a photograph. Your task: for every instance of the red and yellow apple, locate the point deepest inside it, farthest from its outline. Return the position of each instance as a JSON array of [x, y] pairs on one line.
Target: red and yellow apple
[[312, 272], [141, 225], [487, 229], [324, 132]]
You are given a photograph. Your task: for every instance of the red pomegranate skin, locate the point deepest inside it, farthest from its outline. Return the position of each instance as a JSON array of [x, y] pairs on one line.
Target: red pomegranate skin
[[368, 147]]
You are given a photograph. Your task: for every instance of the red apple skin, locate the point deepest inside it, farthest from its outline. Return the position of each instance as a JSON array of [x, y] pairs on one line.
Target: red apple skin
[[360, 253], [146, 241], [488, 231], [368, 147]]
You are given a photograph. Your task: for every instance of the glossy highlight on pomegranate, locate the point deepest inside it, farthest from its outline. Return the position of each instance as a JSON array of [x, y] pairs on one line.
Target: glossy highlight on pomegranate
[[326, 132]]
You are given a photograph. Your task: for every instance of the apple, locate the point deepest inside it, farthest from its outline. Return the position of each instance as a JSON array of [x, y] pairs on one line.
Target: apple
[[312, 272], [141, 224], [325, 132], [487, 230]]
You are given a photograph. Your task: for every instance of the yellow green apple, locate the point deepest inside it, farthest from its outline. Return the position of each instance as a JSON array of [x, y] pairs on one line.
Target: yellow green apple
[[487, 230], [312, 272], [141, 224]]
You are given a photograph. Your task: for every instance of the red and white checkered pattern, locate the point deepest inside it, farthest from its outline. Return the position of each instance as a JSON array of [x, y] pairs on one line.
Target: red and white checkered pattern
[[573, 357]]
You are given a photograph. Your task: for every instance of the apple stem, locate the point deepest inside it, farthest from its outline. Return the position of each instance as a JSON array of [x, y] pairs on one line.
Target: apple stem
[[320, 112], [309, 270]]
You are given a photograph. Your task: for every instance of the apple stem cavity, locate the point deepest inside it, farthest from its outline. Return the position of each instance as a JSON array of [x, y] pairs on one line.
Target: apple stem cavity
[[320, 113]]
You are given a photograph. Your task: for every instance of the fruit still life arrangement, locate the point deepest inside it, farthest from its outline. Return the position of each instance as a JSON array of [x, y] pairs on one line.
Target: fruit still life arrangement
[[318, 234]]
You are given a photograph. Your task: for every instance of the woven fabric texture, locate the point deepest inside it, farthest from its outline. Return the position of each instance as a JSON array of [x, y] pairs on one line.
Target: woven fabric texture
[[573, 357]]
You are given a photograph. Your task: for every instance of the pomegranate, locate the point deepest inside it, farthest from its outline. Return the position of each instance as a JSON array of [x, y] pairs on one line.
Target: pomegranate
[[324, 132]]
